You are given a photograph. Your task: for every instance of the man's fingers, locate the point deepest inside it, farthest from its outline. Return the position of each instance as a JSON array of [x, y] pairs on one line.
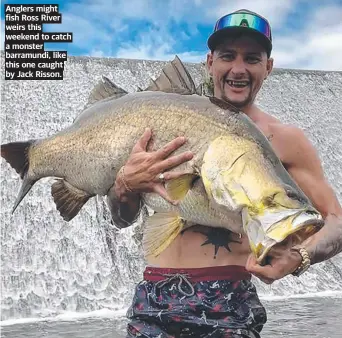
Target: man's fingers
[[266, 271], [174, 161], [265, 280], [170, 175], [253, 267], [251, 261], [170, 147], [258, 271], [141, 145]]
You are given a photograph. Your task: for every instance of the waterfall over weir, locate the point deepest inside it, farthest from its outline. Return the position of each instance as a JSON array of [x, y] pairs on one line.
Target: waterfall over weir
[[49, 266]]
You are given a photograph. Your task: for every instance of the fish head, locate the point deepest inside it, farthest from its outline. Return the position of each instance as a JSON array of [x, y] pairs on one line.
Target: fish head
[[238, 176], [287, 219]]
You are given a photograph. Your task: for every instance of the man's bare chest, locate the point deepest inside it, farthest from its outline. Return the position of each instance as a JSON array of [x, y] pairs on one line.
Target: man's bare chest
[[278, 145]]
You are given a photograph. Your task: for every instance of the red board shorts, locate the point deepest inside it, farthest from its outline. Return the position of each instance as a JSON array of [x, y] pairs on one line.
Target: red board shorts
[[205, 302]]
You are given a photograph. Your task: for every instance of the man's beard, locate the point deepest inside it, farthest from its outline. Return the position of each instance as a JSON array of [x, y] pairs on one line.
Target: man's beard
[[238, 104]]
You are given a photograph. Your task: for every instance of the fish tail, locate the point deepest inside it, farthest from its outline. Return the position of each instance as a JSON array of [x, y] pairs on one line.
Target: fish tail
[[17, 155]]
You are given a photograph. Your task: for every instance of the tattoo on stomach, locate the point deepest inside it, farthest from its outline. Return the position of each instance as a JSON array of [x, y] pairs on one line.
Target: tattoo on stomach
[[216, 236]]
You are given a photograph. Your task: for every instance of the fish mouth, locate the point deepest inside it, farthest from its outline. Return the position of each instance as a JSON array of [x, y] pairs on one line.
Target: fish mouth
[[303, 225], [238, 83]]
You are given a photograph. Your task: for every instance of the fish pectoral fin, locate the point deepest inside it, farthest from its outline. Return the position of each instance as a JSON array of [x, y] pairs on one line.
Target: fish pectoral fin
[[159, 232], [174, 78], [105, 89], [177, 188], [69, 200]]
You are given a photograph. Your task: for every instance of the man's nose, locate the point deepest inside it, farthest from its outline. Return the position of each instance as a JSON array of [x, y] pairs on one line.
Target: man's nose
[[238, 69]]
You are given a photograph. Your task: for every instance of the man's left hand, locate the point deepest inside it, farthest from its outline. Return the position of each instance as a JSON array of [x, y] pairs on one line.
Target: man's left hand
[[281, 262]]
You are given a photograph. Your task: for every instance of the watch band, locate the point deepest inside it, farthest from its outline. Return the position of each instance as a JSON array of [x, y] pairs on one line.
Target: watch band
[[305, 264]]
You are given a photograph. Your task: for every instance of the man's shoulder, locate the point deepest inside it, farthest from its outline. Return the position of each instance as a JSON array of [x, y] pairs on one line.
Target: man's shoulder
[[293, 145], [285, 129], [260, 117], [288, 140], [277, 129]]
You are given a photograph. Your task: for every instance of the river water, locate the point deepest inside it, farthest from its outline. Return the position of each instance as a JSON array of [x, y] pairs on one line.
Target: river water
[[313, 315]]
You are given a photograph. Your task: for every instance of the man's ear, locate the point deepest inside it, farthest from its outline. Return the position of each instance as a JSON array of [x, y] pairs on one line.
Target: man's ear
[[209, 63], [269, 66]]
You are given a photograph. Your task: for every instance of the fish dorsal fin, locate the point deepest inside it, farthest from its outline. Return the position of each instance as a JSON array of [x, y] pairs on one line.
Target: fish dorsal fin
[[174, 78], [105, 89], [223, 104]]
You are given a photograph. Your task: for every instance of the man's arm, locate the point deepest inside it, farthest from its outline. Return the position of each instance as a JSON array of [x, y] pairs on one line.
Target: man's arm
[[126, 210], [304, 165], [307, 171]]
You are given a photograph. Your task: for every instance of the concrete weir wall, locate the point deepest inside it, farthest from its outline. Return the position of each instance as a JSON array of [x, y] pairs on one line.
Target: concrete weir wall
[[49, 266]]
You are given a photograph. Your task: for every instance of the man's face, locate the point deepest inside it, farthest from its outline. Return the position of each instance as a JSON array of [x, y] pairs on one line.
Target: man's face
[[238, 67]]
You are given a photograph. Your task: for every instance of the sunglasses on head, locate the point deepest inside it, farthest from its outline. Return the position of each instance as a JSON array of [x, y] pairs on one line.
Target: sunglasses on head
[[245, 20]]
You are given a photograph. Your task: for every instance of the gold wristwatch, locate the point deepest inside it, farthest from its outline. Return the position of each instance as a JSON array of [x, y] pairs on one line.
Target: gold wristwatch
[[305, 264]]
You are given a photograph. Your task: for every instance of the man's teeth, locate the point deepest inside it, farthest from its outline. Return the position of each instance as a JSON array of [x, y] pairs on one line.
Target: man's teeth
[[237, 83]]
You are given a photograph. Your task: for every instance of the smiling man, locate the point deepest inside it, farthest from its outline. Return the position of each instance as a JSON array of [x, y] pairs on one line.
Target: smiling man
[[246, 51], [200, 285]]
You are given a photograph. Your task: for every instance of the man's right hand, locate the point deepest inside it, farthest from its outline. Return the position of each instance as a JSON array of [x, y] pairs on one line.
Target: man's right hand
[[142, 168]]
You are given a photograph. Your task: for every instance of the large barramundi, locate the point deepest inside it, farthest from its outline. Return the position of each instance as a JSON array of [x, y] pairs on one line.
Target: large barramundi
[[234, 181]]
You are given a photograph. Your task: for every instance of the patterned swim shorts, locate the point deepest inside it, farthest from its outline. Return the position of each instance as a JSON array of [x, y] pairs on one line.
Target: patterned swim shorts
[[207, 302]]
